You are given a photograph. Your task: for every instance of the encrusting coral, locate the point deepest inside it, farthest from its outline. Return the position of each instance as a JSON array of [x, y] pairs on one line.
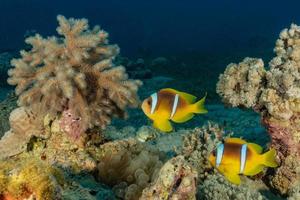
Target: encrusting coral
[[24, 124], [74, 72], [197, 146], [176, 180], [29, 179], [273, 93], [216, 187]]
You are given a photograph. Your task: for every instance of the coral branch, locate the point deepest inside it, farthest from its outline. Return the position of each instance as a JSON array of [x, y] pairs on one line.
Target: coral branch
[[75, 71]]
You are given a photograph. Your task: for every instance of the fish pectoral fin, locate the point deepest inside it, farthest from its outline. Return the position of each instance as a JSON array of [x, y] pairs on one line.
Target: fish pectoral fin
[[163, 125], [183, 118], [233, 178], [254, 171]]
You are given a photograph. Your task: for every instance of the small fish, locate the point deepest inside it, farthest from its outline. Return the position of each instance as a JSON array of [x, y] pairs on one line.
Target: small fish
[[235, 156], [169, 104]]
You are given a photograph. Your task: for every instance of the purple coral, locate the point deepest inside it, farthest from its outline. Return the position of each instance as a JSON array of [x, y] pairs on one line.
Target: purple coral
[[71, 124]]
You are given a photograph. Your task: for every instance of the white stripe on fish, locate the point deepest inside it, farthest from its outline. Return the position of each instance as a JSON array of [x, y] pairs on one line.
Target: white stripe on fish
[[243, 157], [220, 152], [175, 105], [154, 102]]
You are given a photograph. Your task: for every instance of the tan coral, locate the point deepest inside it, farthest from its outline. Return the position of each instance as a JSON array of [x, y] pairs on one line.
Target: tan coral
[[24, 124], [146, 133], [217, 187], [74, 71], [59, 150], [240, 85], [127, 165], [176, 180], [197, 146], [277, 99]]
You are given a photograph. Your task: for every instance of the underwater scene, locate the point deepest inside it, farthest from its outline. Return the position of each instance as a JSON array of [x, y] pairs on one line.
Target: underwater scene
[[149, 100]]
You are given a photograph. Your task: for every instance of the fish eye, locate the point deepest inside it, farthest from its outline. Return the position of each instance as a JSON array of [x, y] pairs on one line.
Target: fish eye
[[149, 102]]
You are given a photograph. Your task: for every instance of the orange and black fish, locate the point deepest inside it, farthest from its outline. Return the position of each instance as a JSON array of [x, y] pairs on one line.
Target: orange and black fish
[[235, 156], [169, 104]]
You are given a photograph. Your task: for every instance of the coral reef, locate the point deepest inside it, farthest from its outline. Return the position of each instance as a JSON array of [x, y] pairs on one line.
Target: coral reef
[[59, 150], [197, 146], [245, 87], [294, 194], [131, 168], [216, 187], [29, 179], [274, 93], [71, 86], [127, 165], [24, 125], [146, 133], [176, 180], [74, 72]]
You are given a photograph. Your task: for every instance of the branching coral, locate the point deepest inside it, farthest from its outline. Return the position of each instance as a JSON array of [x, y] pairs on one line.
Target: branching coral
[[274, 94], [127, 165], [176, 180], [74, 72]]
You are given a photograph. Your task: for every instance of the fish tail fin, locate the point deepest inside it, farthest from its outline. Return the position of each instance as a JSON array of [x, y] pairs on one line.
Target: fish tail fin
[[198, 107], [269, 158]]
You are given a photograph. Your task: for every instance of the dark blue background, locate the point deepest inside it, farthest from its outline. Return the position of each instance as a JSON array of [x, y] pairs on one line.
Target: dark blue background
[[158, 27]]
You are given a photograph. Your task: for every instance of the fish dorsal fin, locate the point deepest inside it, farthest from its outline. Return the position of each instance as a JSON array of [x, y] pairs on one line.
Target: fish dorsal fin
[[188, 97], [235, 140], [257, 148]]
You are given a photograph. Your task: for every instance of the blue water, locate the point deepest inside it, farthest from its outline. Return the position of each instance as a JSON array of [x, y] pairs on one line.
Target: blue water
[[144, 27]]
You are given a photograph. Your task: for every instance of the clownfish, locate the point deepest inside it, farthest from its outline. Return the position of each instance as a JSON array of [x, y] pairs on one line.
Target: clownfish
[[235, 156], [171, 105]]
